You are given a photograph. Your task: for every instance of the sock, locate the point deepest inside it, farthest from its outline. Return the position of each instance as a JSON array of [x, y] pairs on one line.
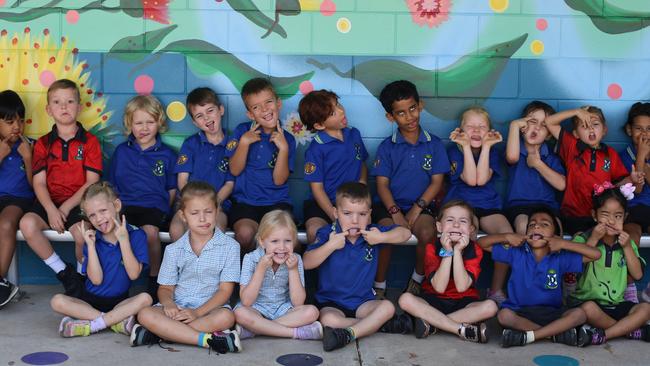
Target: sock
[[599, 336], [351, 333], [381, 285], [530, 336], [55, 262], [203, 340], [97, 324], [635, 334], [80, 267], [417, 277]]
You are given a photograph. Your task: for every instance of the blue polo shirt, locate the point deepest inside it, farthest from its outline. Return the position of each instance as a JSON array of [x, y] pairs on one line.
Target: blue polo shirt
[[410, 167], [526, 186], [347, 275], [333, 162], [13, 181], [116, 281], [485, 196], [143, 177], [532, 283], [628, 157], [254, 186]]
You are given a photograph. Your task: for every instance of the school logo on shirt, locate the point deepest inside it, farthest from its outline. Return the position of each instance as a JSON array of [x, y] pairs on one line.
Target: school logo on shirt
[[376, 163], [310, 168], [159, 168], [357, 151], [607, 164], [182, 159], [80, 153], [551, 279], [454, 165], [22, 166], [231, 145], [427, 162], [273, 160], [223, 165], [622, 263]]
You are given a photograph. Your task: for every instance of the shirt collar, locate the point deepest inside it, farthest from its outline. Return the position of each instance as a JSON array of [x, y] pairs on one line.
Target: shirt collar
[[204, 139], [397, 137], [80, 135], [543, 149], [582, 147], [215, 240], [323, 137], [133, 143]]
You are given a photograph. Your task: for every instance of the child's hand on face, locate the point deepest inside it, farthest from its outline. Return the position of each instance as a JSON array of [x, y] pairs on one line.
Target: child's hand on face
[[372, 236], [88, 234], [599, 231], [445, 242], [292, 261], [460, 137], [251, 136], [277, 137], [623, 239], [491, 138], [555, 244], [462, 243], [515, 239], [521, 124], [338, 239], [121, 232], [643, 148], [25, 149], [171, 311], [5, 149], [266, 261], [584, 116]]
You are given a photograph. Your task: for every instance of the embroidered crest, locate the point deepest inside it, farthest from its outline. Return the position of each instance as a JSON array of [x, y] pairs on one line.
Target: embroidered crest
[[357, 151], [231, 145], [427, 162], [80, 153], [223, 164], [454, 165], [310, 168], [369, 255], [182, 159], [622, 263], [607, 164], [159, 168], [273, 160], [551, 279]]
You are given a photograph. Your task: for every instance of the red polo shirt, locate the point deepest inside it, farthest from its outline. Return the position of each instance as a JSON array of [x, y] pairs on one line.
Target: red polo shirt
[[66, 162], [472, 256], [586, 166]]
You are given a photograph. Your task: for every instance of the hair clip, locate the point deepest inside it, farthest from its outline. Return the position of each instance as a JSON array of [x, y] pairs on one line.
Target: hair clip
[[628, 191], [600, 188]]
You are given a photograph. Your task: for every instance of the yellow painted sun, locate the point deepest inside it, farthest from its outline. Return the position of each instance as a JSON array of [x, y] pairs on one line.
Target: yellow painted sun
[[29, 64]]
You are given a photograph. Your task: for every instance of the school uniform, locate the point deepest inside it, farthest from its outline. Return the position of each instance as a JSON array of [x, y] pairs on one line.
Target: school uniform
[[332, 162], [15, 189], [639, 207], [142, 179]]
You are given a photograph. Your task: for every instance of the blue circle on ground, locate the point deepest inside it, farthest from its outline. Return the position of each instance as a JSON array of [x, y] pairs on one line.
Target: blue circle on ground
[[299, 359], [44, 358], [555, 360]]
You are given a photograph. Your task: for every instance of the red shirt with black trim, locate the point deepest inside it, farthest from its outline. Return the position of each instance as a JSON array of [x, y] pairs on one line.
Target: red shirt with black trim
[[586, 166], [66, 162], [472, 256]]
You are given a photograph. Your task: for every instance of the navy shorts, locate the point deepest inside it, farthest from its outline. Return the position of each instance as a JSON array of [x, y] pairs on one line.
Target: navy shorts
[[23, 203], [140, 216], [240, 211], [101, 303], [310, 209], [349, 313], [484, 212], [74, 216], [640, 215], [541, 315], [618, 311], [573, 225], [379, 212], [511, 213], [447, 306]]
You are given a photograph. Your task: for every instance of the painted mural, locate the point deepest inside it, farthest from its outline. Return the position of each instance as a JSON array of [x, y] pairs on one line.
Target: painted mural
[[499, 53]]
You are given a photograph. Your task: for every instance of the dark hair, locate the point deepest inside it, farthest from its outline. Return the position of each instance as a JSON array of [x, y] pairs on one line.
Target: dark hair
[[354, 191], [638, 109], [557, 224], [316, 107], [202, 96], [609, 193], [63, 84], [254, 86], [536, 105], [11, 106], [455, 203], [591, 109], [198, 189], [396, 91]]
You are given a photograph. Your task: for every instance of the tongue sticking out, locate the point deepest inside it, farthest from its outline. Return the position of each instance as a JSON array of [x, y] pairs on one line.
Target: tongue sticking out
[[353, 231]]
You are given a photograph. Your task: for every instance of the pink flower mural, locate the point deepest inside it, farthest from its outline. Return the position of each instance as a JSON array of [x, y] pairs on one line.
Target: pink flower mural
[[429, 12], [156, 10]]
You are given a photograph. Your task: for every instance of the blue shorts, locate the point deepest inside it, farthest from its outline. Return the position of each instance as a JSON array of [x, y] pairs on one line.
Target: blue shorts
[[269, 312]]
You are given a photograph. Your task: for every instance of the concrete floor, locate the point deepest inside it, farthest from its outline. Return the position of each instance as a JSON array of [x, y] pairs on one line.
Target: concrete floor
[[29, 326]]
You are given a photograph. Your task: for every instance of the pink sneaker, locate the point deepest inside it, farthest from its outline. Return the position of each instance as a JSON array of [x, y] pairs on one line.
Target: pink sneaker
[[309, 331], [70, 327]]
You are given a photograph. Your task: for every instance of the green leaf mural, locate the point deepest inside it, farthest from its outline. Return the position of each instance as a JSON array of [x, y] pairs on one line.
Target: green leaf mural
[[248, 9], [614, 20], [478, 74], [132, 48]]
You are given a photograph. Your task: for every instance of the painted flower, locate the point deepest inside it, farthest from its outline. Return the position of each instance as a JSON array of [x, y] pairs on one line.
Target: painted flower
[[156, 10], [294, 126], [429, 12]]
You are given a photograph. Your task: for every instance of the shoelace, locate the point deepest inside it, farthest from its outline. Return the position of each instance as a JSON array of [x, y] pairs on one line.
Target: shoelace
[[219, 344], [469, 332]]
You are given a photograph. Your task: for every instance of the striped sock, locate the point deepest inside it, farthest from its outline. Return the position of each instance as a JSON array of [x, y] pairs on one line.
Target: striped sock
[[351, 333], [203, 340]]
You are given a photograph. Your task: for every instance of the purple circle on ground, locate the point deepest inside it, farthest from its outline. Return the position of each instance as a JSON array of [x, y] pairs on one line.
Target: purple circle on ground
[[299, 359], [44, 358]]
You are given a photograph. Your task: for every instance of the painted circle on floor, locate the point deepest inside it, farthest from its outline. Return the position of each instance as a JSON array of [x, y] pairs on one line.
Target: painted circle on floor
[[555, 360], [44, 358], [299, 359]]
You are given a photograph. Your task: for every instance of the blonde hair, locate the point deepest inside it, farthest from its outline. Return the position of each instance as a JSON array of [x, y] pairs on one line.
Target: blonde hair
[[96, 189], [477, 109], [198, 189], [63, 84], [273, 220], [148, 104]]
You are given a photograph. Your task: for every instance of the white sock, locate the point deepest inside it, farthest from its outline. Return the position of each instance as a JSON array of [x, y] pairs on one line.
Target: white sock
[[530, 336], [417, 277], [80, 267], [55, 262], [381, 285]]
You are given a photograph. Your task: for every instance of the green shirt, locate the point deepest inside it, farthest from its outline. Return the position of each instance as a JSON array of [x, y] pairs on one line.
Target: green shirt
[[604, 281]]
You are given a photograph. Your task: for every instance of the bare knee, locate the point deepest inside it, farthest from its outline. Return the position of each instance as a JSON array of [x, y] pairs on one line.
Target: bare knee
[[425, 234], [506, 317], [386, 308], [489, 308], [590, 308], [577, 315], [311, 313], [245, 234], [243, 315], [329, 318], [28, 226], [143, 299], [7, 227], [58, 303], [406, 301], [146, 315]]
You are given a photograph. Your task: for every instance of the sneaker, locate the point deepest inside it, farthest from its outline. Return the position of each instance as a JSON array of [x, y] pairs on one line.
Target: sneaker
[[335, 338], [497, 296], [511, 337], [568, 337], [7, 291], [380, 293], [73, 281], [225, 341], [473, 333], [645, 333], [631, 293], [310, 331], [398, 324], [244, 333], [125, 326], [594, 335], [422, 329], [70, 327], [413, 287], [142, 336]]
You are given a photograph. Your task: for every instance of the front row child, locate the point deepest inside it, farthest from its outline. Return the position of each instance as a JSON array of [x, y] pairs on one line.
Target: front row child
[[534, 310], [600, 290], [197, 277], [272, 285], [450, 300], [346, 255], [114, 255]]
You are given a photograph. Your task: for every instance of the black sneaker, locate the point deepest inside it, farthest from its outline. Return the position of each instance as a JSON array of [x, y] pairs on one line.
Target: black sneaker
[[584, 336], [511, 337], [224, 342], [645, 333], [73, 281], [422, 329], [592, 335], [335, 338], [568, 337], [7, 291], [398, 324], [474, 333], [142, 336]]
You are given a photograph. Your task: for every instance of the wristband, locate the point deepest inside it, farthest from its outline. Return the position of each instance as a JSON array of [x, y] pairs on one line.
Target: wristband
[[394, 209], [421, 203], [445, 253]]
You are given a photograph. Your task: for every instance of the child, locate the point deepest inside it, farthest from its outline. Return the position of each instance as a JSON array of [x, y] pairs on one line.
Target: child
[[637, 154], [346, 256], [588, 161], [335, 156], [410, 169], [533, 310], [16, 194], [202, 156], [261, 157], [272, 285], [475, 165], [65, 162], [142, 173], [197, 277], [602, 285], [114, 255], [450, 300]]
